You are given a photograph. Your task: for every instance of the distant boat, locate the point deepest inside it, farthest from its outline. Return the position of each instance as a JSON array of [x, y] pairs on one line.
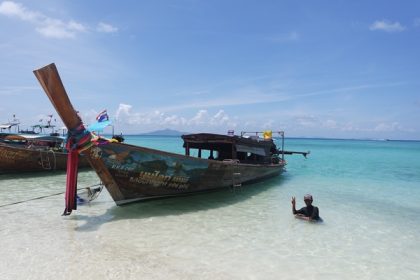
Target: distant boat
[[132, 173], [33, 153], [42, 126], [14, 123]]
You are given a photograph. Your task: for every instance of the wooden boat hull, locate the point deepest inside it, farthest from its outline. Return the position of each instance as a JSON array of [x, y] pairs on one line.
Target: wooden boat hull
[[15, 159], [138, 173]]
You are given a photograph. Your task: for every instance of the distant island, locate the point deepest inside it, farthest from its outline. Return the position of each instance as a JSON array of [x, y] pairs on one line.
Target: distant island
[[165, 132]]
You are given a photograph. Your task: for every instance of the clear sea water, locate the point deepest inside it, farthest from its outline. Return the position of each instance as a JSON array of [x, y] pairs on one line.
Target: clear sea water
[[368, 193]]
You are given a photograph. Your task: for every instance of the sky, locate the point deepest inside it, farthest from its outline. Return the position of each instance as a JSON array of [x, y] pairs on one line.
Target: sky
[[334, 69]]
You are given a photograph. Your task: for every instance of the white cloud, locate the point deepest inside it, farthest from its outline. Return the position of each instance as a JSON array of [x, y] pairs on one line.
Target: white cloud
[[387, 127], [417, 22], [220, 118], [106, 28], [283, 38], [330, 124], [89, 116], [268, 125], [202, 118], [307, 121], [125, 115], [12, 9], [378, 128], [295, 124], [252, 95], [123, 111], [47, 26], [174, 120], [249, 124], [54, 28], [387, 26], [73, 25]]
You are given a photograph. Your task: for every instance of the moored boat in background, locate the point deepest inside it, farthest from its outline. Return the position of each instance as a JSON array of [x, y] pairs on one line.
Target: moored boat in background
[[33, 153], [7, 127]]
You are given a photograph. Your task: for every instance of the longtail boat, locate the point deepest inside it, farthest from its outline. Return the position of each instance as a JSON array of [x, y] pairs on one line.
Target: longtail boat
[[133, 173], [33, 153]]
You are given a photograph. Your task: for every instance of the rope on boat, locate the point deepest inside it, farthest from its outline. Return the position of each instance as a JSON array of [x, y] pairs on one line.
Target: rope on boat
[[79, 139], [55, 158], [92, 194], [45, 159]]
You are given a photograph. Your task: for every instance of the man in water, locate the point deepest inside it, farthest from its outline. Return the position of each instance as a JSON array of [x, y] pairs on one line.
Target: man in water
[[309, 213]]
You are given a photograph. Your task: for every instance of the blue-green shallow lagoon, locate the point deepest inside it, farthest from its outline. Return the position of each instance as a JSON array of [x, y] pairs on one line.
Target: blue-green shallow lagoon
[[368, 193]]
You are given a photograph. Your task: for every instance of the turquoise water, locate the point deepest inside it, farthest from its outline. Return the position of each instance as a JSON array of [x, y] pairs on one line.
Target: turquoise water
[[368, 193]]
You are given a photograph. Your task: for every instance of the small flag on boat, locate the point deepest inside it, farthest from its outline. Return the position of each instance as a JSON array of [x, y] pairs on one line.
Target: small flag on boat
[[102, 116], [102, 121]]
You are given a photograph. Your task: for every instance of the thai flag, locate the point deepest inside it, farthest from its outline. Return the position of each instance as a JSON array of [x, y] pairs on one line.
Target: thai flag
[[102, 116]]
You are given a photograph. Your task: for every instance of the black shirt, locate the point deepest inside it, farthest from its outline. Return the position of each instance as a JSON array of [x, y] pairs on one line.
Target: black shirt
[[310, 211]]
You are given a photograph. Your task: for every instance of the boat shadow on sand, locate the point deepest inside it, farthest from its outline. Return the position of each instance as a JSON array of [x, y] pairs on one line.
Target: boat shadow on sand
[[176, 206]]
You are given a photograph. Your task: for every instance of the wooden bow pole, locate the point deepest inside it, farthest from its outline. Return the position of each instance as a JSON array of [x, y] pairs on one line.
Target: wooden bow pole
[[51, 82]]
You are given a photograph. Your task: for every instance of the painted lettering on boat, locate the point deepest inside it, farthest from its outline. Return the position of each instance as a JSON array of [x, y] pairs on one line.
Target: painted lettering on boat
[[10, 155], [121, 167], [159, 180]]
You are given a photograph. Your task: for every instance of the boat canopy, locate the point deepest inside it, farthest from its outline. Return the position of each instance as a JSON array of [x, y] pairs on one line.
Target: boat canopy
[[231, 146], [8, 125], [5, 126], [249, 149], [32, 138]]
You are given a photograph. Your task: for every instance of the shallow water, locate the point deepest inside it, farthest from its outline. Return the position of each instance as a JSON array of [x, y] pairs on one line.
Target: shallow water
[[368, 193]]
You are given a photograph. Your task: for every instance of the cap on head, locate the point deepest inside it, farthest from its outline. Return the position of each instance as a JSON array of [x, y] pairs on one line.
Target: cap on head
[[308, 197]]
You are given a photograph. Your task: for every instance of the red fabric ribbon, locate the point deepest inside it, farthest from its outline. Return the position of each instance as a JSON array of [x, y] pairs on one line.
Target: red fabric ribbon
[[71, 182]]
